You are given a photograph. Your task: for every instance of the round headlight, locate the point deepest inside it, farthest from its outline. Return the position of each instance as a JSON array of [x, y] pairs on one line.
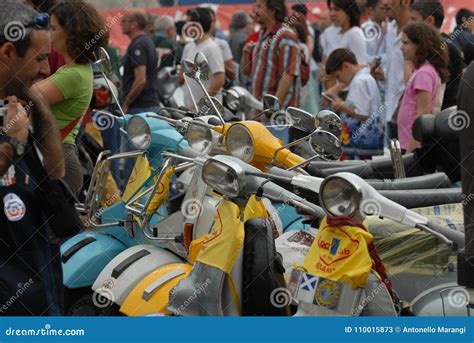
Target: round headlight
[[221, 178], [199, 138], [339, 197], [239, 143], [139, 133]]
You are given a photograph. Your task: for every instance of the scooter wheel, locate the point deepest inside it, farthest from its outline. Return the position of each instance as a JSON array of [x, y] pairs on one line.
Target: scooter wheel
[[263, 280], [87, 306]]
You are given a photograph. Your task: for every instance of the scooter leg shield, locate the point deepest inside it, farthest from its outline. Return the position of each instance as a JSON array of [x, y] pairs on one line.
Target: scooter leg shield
[[85, 255], [152, 294], [200, 293], [127, 269]]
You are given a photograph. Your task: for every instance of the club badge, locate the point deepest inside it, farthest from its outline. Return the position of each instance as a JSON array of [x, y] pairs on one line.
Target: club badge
[[14, 207]]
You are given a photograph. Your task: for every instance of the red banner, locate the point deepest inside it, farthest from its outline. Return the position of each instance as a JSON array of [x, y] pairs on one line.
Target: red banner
[[225, 12]]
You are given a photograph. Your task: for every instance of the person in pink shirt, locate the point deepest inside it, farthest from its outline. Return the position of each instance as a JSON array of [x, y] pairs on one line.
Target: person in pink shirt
[[421, 45]]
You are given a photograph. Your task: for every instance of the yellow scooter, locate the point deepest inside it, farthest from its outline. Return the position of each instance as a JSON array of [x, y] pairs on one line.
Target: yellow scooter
[[234, 269]]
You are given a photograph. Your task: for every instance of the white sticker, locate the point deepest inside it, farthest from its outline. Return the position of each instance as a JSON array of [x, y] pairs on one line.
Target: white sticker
[[15, 208], [138, 52]]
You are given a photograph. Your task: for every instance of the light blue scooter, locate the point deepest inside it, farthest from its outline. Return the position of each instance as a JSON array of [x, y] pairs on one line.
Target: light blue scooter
[[86, 254]]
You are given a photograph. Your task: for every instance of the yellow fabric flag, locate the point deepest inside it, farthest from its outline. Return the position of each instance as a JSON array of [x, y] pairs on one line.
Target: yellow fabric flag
[[340, 253], [255, 209], [222, 245], [163, 191], [140, 173]]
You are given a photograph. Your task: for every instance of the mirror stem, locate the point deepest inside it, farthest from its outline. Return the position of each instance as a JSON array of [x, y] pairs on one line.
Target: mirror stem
[[113, 94], [210, 99], [191, 93], [297, 166], [298, 141]]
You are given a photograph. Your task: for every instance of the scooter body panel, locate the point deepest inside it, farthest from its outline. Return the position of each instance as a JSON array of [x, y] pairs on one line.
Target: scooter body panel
[[444, 300], [151, 294], [85, 255], [126, 270], [290, 219]]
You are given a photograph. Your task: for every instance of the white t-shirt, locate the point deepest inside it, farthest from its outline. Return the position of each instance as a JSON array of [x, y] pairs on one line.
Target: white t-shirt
[[329, 40], [375, 41], [364, 96], [225, 48], [394, 85], [355, 41], [216, 63]]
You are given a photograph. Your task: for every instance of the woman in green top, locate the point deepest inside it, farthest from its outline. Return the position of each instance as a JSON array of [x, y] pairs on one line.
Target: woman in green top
[[77, 31]]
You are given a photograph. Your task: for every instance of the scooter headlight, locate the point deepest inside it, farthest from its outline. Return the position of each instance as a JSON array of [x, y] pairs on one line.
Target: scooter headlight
[[339, 197], [239, 143], [139, 133], [222, 178], [199, 138]]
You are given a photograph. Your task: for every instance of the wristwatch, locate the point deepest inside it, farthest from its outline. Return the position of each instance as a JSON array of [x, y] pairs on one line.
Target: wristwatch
[[18, 147]]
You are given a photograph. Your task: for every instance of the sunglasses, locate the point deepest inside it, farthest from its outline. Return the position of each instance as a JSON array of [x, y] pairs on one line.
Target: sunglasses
[[41, 22]]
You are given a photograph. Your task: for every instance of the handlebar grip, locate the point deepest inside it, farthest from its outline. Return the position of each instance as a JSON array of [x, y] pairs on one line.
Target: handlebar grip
[[282, 172], [190, 152], [455, 236]]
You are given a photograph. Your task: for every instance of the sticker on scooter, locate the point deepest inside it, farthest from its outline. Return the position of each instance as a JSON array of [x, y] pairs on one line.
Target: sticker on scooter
[[302, 238], [327, 293], [14, 207], [108, 284]]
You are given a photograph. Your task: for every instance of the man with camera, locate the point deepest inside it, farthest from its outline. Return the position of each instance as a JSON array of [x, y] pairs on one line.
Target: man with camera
[[30, 270]]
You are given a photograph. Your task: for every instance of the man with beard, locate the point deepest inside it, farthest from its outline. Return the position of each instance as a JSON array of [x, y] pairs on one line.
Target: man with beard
[[30, 270]]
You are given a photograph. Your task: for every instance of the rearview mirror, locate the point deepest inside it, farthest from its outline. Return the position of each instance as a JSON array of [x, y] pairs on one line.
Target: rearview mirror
[[326, 145], [103, 61], [202, 67], [301, 120], [189, 69], [271, 103], [329, 121]]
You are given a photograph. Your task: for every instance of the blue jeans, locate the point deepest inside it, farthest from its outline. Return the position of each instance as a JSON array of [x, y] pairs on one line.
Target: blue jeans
[[127, 146], [111, 139]]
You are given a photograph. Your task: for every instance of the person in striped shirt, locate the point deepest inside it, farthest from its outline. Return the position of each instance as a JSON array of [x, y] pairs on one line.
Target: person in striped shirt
[[275, 64]]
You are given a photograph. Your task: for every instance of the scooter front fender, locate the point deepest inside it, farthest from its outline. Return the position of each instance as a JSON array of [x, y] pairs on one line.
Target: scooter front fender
[[85, 255], [127, 269]]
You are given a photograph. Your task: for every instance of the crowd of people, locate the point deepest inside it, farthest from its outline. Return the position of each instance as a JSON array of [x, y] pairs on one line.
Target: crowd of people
[[378, 63], [396, 45]]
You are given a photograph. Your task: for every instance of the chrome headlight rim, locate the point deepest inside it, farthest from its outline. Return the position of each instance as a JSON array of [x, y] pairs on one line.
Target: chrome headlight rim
[[131, 125], [239, 176], [208, 132], [355, 190], [228, 135]]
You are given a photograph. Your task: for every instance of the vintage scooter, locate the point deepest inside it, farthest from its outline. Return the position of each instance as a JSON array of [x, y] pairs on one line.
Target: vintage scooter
[[182, 227], [342, 273], [112, 229], [228, 259]]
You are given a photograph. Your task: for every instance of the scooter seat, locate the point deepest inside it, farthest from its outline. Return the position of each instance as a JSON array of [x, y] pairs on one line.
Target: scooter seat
[[428, 183], [431, 181], [424, 197], [375, 169]]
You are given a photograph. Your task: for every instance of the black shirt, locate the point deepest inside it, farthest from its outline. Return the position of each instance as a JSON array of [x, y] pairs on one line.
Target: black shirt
[[141, 52], [455, 67], [30, 268]]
